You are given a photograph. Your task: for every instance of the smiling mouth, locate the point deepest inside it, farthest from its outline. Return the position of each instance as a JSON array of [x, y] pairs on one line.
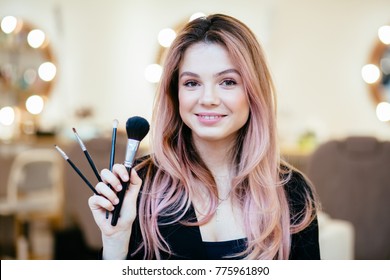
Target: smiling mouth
[[210, 117]]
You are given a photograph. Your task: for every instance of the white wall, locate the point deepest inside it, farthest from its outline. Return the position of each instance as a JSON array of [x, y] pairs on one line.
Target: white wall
[[315, 48]]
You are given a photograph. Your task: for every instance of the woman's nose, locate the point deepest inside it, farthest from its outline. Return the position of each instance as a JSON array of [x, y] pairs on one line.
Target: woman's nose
[[209, 96]]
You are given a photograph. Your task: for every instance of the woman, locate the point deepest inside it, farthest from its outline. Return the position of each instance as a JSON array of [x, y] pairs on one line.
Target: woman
[[214, 186]]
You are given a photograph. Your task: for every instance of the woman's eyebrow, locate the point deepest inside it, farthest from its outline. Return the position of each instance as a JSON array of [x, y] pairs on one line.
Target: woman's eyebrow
[[188, 73], [227, 71]]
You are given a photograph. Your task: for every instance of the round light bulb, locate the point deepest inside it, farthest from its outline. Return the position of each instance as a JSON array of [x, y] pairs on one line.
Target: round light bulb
[[166, 36], [197, 15], [47, 71], [384, 34], [383, 111], [35, 38], [8, 24], [34, 104], [7, 116], [153, 73], [370, 73]]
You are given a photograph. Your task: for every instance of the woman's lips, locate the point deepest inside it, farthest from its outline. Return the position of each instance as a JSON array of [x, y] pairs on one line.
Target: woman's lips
[[210, 118]]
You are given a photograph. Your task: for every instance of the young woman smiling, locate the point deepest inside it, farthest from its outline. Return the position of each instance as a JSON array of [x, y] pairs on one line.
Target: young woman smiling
[[214, 185]]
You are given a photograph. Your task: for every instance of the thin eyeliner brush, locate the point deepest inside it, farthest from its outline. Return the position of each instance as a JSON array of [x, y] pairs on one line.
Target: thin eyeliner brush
[[91, 163], [112, 154], [76, 169]]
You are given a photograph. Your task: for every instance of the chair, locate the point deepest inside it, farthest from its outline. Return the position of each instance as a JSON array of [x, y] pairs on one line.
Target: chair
[[35, 197], [35, 183], [352, 180]]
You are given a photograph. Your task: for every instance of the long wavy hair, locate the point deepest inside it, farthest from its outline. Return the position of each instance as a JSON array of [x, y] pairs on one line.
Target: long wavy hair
[[258, 175]]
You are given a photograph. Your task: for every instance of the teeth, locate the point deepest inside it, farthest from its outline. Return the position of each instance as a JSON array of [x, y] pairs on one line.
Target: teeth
[[210, 117]]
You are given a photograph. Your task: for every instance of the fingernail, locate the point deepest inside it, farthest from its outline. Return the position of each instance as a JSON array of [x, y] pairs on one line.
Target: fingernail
[[119, 188], [116, 201]]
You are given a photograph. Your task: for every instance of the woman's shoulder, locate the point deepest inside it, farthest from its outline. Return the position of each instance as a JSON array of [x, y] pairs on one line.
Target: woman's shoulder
[[297, 182], [298, 189], [294, 180]]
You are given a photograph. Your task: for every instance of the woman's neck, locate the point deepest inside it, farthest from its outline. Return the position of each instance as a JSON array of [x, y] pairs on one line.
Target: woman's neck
[[216, 155]]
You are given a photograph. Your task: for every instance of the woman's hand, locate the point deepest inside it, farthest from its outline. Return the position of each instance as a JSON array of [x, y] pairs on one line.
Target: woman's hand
[[115, 237]]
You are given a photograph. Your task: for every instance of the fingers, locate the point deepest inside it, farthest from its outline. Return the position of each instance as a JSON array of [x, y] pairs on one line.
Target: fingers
[[96, 202], [121, 171], [135, 179], [108, 197], [115, 179], [134, 187], [107, 192]]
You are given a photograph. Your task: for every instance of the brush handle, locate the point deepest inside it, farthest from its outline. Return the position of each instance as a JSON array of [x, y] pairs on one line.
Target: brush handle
[[121, 196], [92, 164], [112, 158], [113, 141], [82, 176]]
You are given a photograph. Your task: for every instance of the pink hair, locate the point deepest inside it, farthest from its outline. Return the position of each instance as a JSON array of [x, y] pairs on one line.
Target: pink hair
[[258, 177]]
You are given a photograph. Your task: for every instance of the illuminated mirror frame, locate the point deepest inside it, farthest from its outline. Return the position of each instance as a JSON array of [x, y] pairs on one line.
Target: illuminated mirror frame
[[376, 88], [27, 66], [373, 74], [153, 71]]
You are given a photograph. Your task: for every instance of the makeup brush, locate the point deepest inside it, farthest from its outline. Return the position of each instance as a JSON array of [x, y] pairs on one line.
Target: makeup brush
[[113, 141], [136, 128], [91, 163], [76, 169], [112, 154]]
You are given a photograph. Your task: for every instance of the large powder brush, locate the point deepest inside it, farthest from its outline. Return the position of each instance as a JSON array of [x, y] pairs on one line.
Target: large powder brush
[[136, 128]]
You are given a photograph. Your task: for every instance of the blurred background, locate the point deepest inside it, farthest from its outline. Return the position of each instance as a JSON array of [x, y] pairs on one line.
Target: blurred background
[[81, 64]]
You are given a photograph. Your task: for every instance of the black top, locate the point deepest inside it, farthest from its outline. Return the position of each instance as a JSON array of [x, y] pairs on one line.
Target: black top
[[224, 249], [186, 241]]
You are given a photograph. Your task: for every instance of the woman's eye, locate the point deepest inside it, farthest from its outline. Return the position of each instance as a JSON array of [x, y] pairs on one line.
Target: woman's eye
[[228, 82], [190, 84]]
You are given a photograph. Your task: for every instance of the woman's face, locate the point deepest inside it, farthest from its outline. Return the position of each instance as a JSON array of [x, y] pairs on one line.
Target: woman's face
[[212, 100]]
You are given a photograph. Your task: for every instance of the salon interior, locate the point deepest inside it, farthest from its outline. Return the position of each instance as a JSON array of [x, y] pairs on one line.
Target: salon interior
[[69, 65]]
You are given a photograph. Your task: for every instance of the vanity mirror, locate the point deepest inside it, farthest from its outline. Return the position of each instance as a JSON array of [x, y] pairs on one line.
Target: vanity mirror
[[27, 68], [165, 38], [377, 73]]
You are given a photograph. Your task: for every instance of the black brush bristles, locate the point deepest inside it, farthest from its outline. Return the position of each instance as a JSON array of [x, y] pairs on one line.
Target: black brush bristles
[[137, 128]]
